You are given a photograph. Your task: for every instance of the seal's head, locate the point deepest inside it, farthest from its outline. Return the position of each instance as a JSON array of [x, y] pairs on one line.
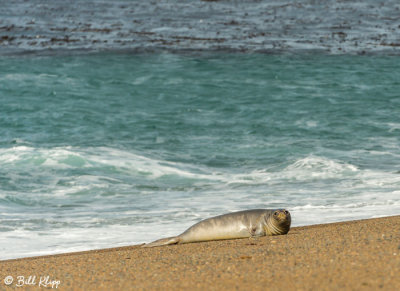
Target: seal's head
[[278, 222]]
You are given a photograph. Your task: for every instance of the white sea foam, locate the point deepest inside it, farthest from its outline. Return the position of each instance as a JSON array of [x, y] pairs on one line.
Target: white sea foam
[[141, 80], [313, 166], [393, 126], [306, 169], [68, 157], [24, 77], [104, 197]]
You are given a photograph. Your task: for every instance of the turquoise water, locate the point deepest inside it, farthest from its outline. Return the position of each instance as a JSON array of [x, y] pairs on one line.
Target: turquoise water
[[108, 149]]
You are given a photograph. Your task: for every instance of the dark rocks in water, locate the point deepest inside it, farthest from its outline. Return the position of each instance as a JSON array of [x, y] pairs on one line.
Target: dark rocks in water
[[260, 26]]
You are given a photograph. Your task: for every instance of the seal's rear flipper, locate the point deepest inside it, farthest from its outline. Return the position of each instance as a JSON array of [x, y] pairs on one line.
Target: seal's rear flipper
[[162, 242]]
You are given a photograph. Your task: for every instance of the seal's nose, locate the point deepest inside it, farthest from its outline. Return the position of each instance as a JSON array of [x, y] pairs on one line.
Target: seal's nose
[[283, 214]]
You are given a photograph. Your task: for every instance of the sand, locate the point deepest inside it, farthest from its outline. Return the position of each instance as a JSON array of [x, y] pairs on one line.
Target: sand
[[354, 255]]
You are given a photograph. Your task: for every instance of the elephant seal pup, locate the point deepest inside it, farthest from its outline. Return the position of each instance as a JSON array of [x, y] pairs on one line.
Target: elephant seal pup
[[241, 224]]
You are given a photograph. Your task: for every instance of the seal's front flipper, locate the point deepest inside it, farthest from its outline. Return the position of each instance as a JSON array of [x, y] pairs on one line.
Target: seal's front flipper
[[163, 242]]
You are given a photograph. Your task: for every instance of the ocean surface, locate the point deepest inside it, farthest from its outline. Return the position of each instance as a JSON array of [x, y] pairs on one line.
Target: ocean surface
[[110, 145]]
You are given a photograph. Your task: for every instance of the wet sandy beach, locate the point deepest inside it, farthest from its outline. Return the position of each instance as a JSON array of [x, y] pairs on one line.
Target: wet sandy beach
[[355, 255]]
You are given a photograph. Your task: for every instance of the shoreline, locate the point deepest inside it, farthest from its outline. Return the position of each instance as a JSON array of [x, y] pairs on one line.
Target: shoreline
[[111, 249], [358, 254]]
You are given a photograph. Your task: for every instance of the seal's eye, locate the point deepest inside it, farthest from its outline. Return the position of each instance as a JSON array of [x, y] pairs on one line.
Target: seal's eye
[[276, 213], [286, 212]]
